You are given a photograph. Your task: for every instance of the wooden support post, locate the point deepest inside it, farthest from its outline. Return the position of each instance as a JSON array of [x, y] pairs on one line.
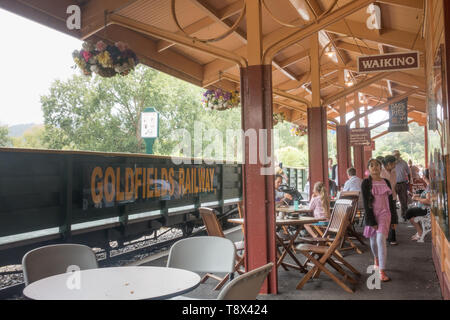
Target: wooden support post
[[317, 124], [358, 156], [343, 149], [367, 153], [425, 133], [258, 186]]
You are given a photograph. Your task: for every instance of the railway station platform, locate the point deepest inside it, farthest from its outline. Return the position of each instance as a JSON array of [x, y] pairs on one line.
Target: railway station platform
[[410, 267]]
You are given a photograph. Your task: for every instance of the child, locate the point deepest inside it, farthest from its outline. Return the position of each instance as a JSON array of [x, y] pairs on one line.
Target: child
[[320, 204], [380, 214]]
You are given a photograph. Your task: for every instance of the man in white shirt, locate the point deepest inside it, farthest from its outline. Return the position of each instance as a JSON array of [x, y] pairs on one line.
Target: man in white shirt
[[353, 184]]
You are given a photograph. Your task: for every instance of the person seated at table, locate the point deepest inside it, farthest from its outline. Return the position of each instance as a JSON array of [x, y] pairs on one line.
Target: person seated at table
[[421, 208], [353, 184], [280, 197], [320, 205]]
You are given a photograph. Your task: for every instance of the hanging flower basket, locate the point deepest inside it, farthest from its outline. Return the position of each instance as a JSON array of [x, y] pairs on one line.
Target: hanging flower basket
[[299, 130], [219, 99], [105, 60], [278, 118]]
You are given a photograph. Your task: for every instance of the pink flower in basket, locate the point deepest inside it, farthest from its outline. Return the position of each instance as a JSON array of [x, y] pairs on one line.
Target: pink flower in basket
[[86, 55], [100, 46], [122, 46]]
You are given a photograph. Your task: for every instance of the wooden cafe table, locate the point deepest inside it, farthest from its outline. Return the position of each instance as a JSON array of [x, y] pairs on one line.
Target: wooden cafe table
[[298, 223]]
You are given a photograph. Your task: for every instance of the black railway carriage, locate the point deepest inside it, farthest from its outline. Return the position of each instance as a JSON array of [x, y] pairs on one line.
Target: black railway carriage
[[93, 198], [49, 196]]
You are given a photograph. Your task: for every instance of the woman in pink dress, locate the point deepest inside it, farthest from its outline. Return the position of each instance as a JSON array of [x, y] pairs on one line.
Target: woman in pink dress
[[380, 214]]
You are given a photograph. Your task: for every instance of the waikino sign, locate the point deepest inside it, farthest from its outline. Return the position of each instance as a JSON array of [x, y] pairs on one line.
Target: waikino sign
[[388, 62]]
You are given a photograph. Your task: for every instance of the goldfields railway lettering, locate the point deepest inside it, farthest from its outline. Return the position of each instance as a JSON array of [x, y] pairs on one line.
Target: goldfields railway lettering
[[116, 184]]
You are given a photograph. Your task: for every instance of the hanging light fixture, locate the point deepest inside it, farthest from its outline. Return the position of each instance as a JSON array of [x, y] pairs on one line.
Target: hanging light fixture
[[330, 53], [348, 80]]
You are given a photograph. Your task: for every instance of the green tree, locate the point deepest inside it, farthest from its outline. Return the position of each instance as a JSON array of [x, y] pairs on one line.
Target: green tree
[[410, 144], [5, 141], [32, 138], [104, 114], [292, 157]]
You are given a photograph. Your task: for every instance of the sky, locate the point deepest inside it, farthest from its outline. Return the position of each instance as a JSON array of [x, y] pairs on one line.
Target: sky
[[32, 56]]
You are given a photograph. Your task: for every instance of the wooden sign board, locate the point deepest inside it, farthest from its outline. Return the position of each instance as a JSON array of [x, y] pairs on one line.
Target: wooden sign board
[[360, 137], [388, 62], [371, 147]]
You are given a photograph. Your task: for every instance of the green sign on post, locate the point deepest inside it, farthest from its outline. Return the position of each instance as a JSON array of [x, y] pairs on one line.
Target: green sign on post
[[149, 128]]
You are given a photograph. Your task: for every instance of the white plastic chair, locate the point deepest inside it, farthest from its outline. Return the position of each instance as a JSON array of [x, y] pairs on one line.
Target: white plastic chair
[[247, 285], [203, 254], [55, 259]]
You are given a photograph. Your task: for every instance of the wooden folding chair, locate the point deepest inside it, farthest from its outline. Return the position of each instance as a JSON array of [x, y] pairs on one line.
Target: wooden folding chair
[[320, 255], [333, 225], [351, 232], [213, 228]]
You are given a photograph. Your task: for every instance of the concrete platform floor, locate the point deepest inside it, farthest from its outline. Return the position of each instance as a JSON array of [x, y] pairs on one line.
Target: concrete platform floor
[[409, 265]]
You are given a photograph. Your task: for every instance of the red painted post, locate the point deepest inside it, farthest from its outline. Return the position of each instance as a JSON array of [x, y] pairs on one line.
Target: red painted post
[[358, 154], [425, 133], [258, 189], [317, 146], [343, 152]]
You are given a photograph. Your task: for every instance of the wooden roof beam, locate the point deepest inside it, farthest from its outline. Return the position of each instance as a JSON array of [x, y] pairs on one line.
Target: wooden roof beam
[[362, 50], [408, 80], [415, 4], [386, 132], [356, 87], [169, 62], [293, 59], [215, 15], [388, 82], [318, 11], [93, 15], [390, 37], [381, 106], [205, 22], [418, 104], [211, 69]]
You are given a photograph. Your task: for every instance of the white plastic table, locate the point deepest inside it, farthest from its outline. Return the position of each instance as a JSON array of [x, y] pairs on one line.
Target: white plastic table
[[119, 283]]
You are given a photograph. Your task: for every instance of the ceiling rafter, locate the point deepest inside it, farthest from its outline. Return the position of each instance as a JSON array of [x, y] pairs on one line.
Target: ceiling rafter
[[355, 87], [318, 11], [211, 70], [93, 13], [415, 4], [205, 22], [215, 15], [391, 37]]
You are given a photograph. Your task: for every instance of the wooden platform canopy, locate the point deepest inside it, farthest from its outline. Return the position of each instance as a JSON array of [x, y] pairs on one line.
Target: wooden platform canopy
[[298, 57], [150, 29]]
